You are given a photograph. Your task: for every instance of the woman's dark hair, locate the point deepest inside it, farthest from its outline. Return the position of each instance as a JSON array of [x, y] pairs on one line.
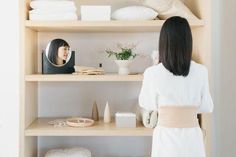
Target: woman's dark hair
[[175, 46], [53, 49]]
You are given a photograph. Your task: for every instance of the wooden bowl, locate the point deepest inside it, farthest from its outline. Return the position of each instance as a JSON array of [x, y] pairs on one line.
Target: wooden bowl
[[79, 122]]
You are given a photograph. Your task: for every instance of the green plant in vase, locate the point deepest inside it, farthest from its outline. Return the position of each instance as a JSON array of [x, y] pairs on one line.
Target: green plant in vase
[[124, 57]]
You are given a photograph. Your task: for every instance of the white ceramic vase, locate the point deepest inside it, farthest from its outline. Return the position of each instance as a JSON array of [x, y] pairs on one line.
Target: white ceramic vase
[[107, 114], [123, 66]]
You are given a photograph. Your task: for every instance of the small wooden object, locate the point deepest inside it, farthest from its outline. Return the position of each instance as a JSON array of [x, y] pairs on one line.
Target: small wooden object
[[79, 122], [95, 114], [85, 70], [58, 122]]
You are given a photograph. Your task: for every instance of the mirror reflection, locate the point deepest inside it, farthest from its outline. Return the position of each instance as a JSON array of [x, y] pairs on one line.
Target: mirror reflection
[[58, 52]]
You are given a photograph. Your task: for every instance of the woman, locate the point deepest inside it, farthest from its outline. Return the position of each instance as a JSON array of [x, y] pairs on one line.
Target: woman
[[58, 51], [178, 88]]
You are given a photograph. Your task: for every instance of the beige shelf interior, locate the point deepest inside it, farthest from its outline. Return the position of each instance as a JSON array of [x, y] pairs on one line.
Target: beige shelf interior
[[74, 77], [40, 127], [31, 126], [102, 26]]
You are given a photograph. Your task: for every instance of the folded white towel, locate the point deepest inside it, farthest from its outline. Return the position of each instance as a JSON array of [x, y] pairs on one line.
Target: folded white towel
[[149, 118], [53, 17], [53, 10], [42, 4], [72, 152]]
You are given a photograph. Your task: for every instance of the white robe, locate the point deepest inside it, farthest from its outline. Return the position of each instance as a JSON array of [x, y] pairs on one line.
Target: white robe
[[160, 87]]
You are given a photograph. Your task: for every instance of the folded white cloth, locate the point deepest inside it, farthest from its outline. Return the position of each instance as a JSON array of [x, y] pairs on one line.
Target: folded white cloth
[[39, 4], [149, 118], [169, 8], [134, 13], [53, 17], [69, 152], [53, 10]]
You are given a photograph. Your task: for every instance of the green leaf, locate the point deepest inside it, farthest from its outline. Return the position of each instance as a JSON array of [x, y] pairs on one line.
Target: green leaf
[[124, 54]]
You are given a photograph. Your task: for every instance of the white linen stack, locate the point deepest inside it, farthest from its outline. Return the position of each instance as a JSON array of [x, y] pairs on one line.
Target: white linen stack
[[52, 10]]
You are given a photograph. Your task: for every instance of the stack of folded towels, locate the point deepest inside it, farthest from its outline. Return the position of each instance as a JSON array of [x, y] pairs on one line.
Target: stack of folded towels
[[52, 10]]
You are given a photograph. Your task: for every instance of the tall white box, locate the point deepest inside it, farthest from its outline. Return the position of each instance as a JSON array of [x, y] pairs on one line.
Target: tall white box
[[95, 12], [125, 120]]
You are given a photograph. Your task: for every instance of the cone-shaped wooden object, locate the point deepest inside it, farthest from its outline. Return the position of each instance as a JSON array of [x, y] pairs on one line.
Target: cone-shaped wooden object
[[95, 115], [107, 114]]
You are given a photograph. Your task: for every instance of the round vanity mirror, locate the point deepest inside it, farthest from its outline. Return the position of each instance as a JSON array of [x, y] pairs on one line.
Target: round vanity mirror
[[58, 52]]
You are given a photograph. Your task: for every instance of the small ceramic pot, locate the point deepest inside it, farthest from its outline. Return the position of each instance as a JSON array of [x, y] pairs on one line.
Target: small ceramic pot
[[123, 66]]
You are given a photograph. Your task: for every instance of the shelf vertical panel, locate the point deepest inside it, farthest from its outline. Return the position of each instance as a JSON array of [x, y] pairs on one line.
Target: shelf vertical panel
[[31, 51], [28, 90], [30, 147], [202, 49]]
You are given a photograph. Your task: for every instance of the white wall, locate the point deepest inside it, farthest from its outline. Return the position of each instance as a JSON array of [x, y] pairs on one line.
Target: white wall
[[9, 80], [225, 81], [216, 12]]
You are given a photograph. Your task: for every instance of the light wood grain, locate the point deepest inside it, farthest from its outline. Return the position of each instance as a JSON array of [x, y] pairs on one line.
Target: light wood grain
[[72, 77], [28, 91], [101, 26], [40, 127]]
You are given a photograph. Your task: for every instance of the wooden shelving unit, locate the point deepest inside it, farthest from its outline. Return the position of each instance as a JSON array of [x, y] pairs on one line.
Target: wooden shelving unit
[[69, 77], [32, 126], [106, 26], [40, 127]]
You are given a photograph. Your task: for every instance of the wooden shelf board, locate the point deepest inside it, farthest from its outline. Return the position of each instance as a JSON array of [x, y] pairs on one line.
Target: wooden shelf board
[[40, 127], [74, 77], [102, 26]]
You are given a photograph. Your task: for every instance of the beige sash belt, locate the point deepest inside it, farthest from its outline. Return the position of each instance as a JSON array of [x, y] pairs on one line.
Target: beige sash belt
[[177, 117]]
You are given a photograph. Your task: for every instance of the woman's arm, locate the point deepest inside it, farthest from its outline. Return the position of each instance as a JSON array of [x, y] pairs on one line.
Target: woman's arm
[[148, 96], [206, 100]]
